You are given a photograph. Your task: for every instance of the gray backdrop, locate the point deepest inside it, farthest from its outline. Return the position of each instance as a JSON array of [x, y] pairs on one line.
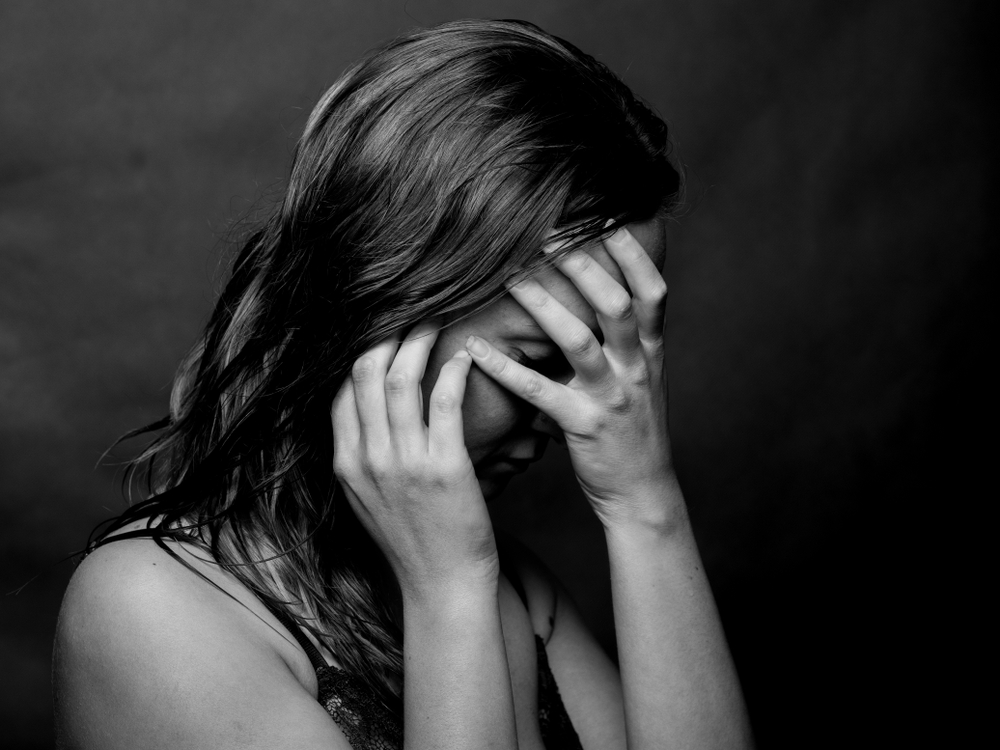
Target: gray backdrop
[[827, 316]]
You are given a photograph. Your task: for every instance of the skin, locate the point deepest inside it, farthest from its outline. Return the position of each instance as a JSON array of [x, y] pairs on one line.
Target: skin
[[497, 424], [391, 441], [149, 655], [422, 440], [417, 468]]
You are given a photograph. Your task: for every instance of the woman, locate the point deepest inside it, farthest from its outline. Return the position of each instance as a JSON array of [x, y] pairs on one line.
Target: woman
[[466, 263]]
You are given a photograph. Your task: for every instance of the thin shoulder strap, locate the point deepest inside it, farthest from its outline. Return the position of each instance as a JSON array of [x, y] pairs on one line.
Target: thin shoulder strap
[[312, 652]]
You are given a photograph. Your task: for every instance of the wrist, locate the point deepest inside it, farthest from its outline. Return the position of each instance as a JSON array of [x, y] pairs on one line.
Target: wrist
[[656, 508], [463, 607], [452, 590]]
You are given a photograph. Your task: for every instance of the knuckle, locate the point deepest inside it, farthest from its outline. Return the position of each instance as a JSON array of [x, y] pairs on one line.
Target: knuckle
[[620, 306], [347, 466], [397, 381], [454, 369], [533, 386], [341, 468], [658, 292], [540, 300], [363, 369], [499, 366], [444, 402], [378, 470], [618, 399], [642, 377], [579, 342]]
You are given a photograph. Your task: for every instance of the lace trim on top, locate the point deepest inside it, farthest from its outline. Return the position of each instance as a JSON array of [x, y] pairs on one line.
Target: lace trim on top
[[369, 724], [363, 718]]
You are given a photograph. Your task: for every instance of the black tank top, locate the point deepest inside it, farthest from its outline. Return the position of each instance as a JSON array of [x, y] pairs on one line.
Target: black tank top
[[370, 724]]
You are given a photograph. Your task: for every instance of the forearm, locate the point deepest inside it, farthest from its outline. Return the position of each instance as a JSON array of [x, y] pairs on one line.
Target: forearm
[[456, 691], [679, 682]]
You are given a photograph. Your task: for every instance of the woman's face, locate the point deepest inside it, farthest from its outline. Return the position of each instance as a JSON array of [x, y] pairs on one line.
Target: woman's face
[[503, 433]]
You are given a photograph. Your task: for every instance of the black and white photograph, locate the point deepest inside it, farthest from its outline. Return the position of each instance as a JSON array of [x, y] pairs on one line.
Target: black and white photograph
[[495, 375]]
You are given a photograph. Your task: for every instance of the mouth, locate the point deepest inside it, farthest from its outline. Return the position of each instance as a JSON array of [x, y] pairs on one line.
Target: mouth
[[517, 461], [520, 463]]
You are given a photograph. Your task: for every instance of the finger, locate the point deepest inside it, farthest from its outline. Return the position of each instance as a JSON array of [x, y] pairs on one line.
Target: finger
[[346, 426], [649, 290], [403, 399], [610, 300], [445, 435], [368, 376], [579, 345], [555, 399]]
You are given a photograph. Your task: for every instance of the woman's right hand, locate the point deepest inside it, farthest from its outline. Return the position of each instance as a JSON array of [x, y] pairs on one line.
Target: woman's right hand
[[412, 484]]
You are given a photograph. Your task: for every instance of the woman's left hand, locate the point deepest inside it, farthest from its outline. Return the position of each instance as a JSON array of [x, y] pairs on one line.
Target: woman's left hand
[[613, 412]]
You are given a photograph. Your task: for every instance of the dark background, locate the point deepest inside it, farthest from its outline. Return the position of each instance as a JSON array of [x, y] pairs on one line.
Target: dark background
[[829, 325]]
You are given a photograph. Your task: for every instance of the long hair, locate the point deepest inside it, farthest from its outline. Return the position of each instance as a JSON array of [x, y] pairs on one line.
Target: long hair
[[432, 171]]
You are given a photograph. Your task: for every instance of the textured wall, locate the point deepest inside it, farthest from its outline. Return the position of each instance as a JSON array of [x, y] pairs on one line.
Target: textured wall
[[827, 315]]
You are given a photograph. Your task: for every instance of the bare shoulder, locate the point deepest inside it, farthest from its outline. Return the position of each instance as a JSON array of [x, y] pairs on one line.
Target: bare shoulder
[[150, 654], [129, 584]]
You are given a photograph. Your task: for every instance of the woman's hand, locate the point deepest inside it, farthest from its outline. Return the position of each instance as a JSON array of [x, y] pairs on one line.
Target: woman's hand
[[411, 484], [679, 685], [613, 412], [413, 487]]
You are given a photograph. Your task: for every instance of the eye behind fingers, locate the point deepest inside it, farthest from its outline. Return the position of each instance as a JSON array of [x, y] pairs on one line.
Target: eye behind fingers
[[553, 366]]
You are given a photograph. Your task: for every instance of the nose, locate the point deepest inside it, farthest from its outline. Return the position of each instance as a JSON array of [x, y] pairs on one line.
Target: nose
[[547, 426]]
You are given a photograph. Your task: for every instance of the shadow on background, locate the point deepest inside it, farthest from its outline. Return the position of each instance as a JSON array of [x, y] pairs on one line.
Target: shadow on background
[[827, 327]]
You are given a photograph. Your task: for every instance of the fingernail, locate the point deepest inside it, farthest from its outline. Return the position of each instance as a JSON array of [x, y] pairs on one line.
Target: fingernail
[[551, 247], [477, 347], [621, 235]]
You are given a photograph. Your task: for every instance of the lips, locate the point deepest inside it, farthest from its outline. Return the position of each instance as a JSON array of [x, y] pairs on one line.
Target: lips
[[518, 463], [526, 454]]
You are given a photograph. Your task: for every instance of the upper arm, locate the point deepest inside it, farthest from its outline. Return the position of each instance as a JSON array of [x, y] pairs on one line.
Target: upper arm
[[145, 658], [588, 680]]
